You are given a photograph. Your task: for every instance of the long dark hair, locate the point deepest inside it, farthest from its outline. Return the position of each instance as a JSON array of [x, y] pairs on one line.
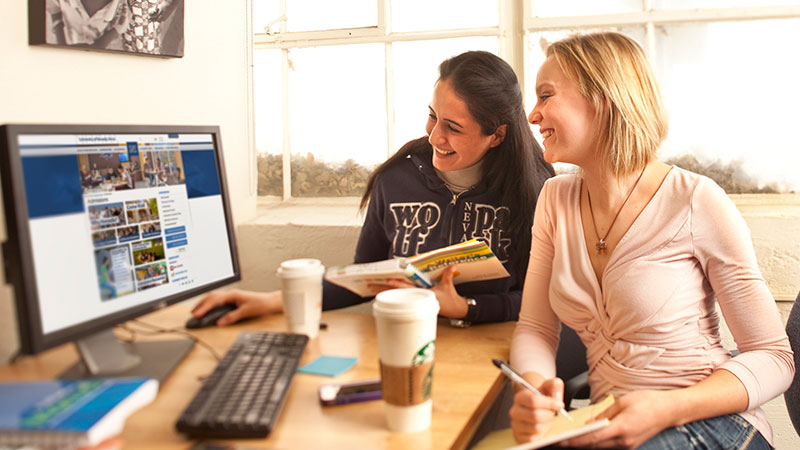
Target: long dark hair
[[516, 169]]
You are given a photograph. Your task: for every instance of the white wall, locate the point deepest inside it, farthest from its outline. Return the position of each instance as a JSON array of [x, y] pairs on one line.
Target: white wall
[[208, 86]]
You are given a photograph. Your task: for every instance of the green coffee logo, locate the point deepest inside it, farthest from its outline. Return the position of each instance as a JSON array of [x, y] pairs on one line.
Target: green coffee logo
[[424, 354]]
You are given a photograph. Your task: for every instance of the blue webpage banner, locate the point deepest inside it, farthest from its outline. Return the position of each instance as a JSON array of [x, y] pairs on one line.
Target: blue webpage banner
[[200, 168], [52, 185]]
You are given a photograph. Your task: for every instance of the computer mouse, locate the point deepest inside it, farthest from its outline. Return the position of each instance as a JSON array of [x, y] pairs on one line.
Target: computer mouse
[[210, 318]]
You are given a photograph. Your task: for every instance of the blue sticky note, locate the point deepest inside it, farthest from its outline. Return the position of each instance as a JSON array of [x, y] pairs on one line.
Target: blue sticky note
[[329, 366]]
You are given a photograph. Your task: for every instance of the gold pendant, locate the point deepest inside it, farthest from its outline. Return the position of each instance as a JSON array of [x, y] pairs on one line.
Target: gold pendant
[[601, 247]]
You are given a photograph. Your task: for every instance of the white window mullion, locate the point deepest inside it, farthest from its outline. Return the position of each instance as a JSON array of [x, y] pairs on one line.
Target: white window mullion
[[251, 116], [662, 17], [512, 35], [384, 22], [650, 34], [384, 16], [650, 39], [293, 41], [287, 149]]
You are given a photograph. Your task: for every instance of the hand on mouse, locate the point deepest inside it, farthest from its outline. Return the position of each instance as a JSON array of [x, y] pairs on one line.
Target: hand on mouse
[[248, 304]]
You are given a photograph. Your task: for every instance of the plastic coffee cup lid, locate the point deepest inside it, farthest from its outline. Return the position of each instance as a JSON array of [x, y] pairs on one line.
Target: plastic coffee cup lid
[[406, 303], [298, 268]]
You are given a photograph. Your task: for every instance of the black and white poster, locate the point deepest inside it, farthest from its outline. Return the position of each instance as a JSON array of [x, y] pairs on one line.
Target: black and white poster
[[149, 27]]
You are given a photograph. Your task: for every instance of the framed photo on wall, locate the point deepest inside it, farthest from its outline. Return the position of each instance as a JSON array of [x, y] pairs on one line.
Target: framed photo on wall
[[147, 27]]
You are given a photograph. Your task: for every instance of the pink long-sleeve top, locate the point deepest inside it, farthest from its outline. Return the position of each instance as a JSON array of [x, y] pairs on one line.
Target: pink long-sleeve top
[[652, 323]]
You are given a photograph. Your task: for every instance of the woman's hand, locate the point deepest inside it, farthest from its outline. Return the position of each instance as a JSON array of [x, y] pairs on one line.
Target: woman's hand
[[398, 283], [248, 304], [532, 413], [635, 418], [450, 303]]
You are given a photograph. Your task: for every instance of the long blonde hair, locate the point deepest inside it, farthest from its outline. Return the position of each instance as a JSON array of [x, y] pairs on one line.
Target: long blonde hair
[[612, 71]]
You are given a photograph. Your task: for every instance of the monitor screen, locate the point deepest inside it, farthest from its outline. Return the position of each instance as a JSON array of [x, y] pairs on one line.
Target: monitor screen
[[106, 223]]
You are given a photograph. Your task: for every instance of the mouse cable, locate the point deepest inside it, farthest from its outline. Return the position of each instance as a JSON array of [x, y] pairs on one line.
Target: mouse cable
[[155, 330]]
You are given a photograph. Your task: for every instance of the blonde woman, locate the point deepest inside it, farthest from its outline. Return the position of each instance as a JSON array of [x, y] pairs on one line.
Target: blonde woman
[[633, 254]]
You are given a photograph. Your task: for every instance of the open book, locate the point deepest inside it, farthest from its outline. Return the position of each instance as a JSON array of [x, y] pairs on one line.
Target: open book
[[561, 429], [474, 259], [70, 413]]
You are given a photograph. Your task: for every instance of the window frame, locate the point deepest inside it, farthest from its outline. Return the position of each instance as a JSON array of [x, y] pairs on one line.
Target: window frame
[[515, 23]]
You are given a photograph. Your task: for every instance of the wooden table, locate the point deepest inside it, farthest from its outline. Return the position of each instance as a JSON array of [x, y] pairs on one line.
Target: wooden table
[[464, 385]]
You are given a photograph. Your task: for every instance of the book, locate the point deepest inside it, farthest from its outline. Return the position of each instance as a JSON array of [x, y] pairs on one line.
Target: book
[[561, 429], [474, 259], [70, 413], [357, 277]]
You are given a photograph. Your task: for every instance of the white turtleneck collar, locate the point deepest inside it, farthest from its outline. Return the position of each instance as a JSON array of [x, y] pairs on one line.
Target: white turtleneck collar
[[460, 180]]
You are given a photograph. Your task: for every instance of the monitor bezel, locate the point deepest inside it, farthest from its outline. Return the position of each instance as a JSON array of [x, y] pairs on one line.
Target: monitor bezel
[[18, 248]]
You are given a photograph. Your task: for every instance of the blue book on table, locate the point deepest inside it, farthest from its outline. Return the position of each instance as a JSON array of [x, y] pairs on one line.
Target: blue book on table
[[70, 413]]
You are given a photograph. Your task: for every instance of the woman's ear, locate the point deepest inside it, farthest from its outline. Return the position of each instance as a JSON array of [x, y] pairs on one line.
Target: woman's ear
[[499, 136]]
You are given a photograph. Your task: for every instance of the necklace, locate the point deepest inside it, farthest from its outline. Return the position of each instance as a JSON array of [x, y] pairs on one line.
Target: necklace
[[600, 245]]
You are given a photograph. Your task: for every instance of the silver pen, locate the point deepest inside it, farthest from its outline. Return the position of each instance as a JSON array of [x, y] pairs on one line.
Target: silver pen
[[517, 378]]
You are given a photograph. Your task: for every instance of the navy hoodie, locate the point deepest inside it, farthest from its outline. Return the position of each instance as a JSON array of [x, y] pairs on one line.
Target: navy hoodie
[[411, 211]]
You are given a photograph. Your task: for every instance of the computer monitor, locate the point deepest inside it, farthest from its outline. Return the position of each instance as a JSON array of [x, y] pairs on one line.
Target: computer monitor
[[107, 223]]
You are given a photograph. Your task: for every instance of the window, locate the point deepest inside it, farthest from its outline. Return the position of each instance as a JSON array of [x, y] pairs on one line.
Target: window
[[336, 93], [731, 97], [339, 86]]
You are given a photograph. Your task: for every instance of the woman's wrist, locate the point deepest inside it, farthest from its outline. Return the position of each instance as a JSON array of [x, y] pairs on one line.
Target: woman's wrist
[[677, 403], [462, 308], [273, 302]]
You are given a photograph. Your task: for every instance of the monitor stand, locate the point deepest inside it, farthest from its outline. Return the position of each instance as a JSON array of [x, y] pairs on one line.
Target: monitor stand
[[103, 355]]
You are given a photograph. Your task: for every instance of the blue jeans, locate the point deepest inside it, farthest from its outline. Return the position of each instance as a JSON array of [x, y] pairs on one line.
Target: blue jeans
[[718, 433]]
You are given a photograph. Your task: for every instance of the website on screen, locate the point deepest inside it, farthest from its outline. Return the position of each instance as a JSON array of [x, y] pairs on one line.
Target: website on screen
[[121, 220]]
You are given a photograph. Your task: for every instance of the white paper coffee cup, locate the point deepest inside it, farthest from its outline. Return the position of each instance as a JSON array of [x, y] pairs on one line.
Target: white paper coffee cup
[[301, 289], [406, 325]]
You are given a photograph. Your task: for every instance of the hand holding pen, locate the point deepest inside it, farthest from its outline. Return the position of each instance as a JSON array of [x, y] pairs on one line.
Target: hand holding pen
[[517, 378]]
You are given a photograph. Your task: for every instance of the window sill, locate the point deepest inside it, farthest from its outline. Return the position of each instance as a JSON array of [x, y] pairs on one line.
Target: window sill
[[272, 210], [334, 211], [767, 205]]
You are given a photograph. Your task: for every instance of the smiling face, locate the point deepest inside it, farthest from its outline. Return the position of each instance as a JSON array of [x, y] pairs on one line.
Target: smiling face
[[456, 137], [565, 118]]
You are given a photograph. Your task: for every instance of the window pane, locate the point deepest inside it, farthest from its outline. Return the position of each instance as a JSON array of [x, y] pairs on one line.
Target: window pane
[[267, 100], [537, 42], [733, 100], [265, 13], [426, 15], [692, 4], [310, 15], [557, 8], [337, 118], [416, 68]]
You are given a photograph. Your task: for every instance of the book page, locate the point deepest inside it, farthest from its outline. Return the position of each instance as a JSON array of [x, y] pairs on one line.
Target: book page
[[561, 429], [358, 277]]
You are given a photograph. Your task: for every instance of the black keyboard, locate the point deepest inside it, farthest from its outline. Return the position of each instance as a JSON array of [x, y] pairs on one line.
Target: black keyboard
[[244, 395]]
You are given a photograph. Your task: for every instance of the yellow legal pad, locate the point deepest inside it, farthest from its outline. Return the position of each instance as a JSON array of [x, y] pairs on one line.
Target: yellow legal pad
[[562, 428]]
